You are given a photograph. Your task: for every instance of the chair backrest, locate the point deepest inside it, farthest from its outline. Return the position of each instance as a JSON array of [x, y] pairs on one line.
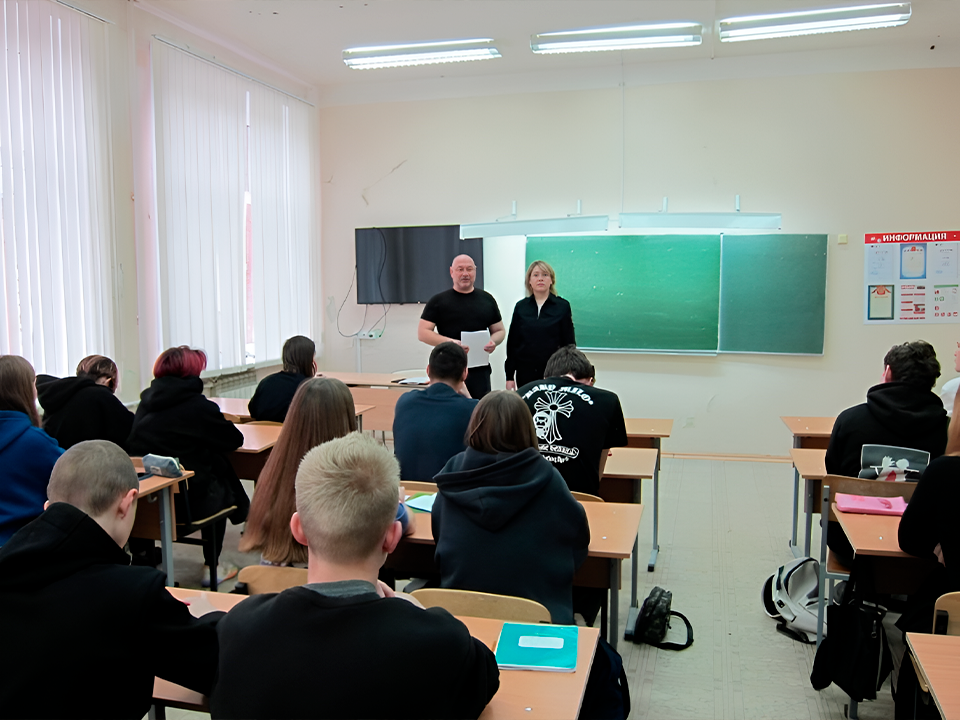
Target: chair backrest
[[949, 603], [585, 497], [263, 422], [483, 605], [261, 579], [235, 419], [861, 486], [900, 462]]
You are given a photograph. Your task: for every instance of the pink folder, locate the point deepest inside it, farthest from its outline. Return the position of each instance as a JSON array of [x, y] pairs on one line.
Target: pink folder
[[868, 505]]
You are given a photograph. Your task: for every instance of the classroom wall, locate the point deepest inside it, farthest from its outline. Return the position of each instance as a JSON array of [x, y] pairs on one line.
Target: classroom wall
[[839, 153]]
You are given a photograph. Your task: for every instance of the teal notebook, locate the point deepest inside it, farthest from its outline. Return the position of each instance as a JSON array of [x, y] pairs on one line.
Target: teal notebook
[[537, 647]]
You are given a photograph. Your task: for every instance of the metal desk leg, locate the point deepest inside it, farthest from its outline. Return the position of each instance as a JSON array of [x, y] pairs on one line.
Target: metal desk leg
[[808, 509], [656, 520], [614, 595], [796, 506], [166, 532]]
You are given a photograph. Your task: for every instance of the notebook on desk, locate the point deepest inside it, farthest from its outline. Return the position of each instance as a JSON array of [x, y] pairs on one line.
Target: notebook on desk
[[523, 646], [869, 505]]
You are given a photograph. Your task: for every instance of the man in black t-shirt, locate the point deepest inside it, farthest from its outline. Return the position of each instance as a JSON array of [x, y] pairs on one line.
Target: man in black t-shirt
[[577, 423], [461, 309]]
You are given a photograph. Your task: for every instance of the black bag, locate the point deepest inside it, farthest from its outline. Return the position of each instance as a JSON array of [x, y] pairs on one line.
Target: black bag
[[607, 696], [654, 619], [855, 655]]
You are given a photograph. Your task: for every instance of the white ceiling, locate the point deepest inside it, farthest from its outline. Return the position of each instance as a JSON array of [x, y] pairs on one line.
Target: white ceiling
[[306, 37]]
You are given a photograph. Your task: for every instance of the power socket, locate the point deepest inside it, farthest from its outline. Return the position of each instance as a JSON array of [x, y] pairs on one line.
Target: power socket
[[370, 334]]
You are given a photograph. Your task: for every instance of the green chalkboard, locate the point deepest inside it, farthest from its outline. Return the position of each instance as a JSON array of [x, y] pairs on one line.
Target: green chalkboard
[[692, 293], [638, 293], [773, 293]]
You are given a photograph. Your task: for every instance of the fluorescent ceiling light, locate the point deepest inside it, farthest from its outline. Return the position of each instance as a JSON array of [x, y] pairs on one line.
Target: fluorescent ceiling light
[[552, 226], [811, 22], [429, 53], [625, 37], [711, 221]]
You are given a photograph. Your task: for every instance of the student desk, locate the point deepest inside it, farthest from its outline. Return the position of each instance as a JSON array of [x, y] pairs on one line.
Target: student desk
[[366, 379], [239, 408], [523, 695], [156, 521], [613, 533], [248, 459], [939, 659], [621, 482], [809, 464], [808, 432], [648, 433]]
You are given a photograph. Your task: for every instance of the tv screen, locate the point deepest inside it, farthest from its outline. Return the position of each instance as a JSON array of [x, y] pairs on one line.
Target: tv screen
[[410, 264]]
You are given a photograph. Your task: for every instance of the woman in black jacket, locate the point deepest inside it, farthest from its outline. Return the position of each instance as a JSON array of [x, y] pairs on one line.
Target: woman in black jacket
[[504, 520], [542, 322], [275, 392], [85, 407], [176, 420]]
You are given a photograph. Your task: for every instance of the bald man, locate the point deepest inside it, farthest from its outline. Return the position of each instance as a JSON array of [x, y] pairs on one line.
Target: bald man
[[461, 309]]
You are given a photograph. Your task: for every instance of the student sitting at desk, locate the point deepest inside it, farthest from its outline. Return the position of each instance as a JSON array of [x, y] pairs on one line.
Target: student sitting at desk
[[85, 407], [83, 633], [503, 520], [176, 420], [429, 425], [27, 453], [901, 411], [343, 646], [322, 410], [275, 392]]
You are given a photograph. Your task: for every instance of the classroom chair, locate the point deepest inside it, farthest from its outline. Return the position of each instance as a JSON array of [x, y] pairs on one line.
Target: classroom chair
[[412, 487], [585, 497], [948, 604], [384, 401], [235, 419], [260, 579], [483, 605], [832, 569]]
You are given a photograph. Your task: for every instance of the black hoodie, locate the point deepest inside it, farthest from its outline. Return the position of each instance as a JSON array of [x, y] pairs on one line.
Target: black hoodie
[[77, 409], [895, 413], [508, 524], [83, 633], [176, 420]]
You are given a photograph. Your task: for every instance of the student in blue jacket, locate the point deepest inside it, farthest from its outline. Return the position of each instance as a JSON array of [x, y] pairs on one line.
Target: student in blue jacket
[[27, 453]]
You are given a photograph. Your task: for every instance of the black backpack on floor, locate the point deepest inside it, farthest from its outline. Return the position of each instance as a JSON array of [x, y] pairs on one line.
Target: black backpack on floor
[[654, 619]]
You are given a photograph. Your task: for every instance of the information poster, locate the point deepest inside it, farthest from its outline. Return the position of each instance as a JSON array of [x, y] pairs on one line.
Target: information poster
[[911, 277]]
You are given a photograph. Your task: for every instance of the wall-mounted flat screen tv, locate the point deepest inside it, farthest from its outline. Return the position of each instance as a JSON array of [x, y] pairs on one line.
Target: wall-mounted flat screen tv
[[410, 264]]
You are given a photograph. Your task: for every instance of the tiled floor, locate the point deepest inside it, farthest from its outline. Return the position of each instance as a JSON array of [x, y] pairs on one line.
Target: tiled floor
[[723, 530]]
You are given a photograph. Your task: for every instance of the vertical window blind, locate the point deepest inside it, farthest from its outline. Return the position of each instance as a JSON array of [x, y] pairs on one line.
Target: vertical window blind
[[233, 199], [56, 190]]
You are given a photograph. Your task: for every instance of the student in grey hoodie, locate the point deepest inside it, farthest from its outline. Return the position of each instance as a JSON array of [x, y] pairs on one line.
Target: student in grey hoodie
[[504, 520]]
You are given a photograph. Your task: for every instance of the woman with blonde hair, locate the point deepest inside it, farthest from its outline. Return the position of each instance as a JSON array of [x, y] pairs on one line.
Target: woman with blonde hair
[[542, 322], [27, 453], [322, 409]]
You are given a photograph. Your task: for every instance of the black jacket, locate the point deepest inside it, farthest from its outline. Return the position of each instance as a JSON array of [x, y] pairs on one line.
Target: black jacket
[[84, 633], [535, 334], [507, 524], [77, 409], [895, 413], [273, 396], [301, 654], [931, 518], [176, 420]]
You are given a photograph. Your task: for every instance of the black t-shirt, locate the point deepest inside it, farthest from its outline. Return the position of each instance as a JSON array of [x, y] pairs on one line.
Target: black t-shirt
[[575, 424], [455, 312]]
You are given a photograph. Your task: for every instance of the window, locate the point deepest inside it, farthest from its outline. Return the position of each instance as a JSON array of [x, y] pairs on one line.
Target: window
[[56, 213], [233, 198]]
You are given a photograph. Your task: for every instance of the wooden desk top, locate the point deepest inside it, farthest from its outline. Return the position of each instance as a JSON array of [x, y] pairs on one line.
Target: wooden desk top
[[810, 462], [649, 427], [257, 438], [613, 527], [365, 379], [239, 407], [872, 534], [631, 463], [939, 660], [522, 695], [809, 426]]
